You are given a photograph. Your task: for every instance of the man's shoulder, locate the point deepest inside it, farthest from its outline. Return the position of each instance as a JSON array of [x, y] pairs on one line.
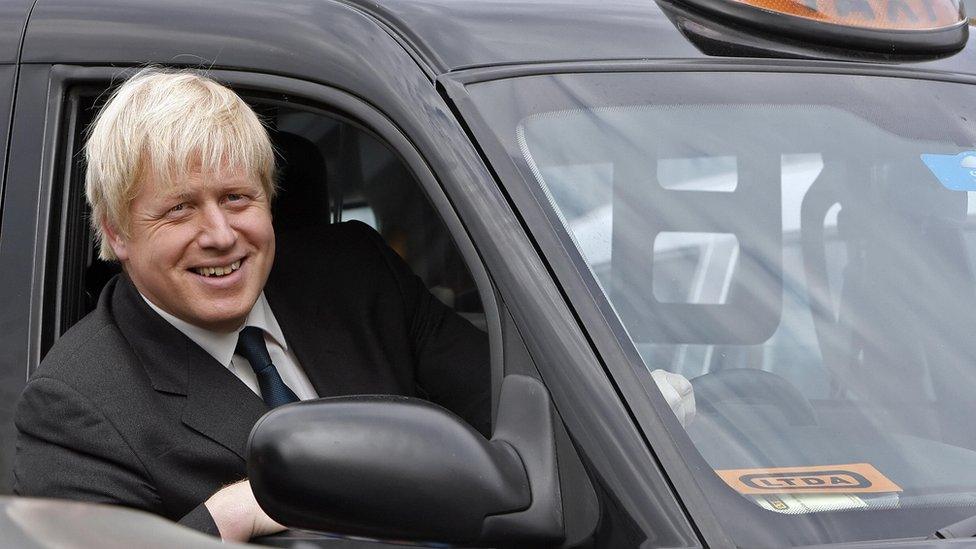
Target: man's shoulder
[[336, 252], [352, 237], [341, 266], [89, 351]]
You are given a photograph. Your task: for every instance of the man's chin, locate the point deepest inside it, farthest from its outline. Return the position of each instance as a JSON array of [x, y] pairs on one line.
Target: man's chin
[[219, 315], [220, 324]]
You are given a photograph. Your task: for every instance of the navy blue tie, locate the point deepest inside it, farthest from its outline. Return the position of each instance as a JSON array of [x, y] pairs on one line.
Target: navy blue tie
[[250, 345]]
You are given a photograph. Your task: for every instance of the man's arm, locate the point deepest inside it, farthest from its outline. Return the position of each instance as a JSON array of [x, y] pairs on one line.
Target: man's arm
[[453, 362], [68, 449]]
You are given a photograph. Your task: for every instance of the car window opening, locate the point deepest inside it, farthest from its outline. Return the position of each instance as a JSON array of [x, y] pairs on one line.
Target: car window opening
[[330, 170]]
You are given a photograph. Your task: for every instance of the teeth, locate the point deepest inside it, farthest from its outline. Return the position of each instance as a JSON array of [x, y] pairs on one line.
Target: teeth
[[219, 271]]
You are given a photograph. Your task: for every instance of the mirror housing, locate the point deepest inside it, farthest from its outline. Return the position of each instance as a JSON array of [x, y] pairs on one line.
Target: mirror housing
[[403, 468]]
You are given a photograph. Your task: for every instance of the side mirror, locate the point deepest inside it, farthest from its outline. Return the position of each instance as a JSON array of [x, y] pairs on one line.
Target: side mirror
[[403, 468]]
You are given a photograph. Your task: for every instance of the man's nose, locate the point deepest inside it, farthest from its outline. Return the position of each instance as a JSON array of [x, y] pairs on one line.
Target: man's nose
[[216, 230]]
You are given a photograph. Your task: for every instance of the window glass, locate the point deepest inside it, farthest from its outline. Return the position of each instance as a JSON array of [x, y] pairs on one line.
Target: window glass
[[801, 248]]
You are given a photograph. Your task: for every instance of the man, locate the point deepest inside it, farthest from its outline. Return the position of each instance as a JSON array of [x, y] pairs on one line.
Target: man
[[148, 401]]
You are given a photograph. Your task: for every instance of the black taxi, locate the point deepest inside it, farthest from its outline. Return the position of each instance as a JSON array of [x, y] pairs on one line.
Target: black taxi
[[773, 198]]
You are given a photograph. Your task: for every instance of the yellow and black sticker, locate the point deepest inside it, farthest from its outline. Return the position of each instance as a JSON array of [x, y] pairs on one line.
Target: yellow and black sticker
[[775, 503], [849, 478]]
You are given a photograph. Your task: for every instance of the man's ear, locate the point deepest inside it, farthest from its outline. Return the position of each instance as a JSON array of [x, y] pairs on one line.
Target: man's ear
[[115, 240]]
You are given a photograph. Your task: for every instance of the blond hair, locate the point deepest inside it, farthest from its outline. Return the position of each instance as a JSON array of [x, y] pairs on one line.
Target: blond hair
[[167, 125]]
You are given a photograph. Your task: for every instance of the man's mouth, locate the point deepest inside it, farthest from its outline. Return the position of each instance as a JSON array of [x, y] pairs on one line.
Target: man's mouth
[[218, 271]]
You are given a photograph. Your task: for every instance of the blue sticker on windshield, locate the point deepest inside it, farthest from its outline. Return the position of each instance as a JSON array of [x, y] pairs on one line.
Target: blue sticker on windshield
[[956, 172]]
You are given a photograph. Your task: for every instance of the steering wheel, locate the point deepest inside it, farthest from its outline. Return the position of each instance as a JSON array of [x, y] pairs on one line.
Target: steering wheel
[[752, 386]]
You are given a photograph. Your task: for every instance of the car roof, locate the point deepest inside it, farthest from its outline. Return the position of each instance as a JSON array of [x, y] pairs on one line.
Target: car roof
[[13, 17], [460, 34], [297, 36], [452, 35]]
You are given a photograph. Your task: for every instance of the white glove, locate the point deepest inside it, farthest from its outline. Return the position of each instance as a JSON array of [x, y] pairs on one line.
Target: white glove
[[678, 393]]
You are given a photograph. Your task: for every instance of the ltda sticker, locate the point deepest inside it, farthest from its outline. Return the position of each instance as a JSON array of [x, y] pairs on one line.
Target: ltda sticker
[[956, 172], [837, 479], [849, 478]]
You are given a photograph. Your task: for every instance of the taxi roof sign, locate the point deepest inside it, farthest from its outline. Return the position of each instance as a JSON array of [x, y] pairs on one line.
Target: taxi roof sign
[[904, 15], [885, 26]]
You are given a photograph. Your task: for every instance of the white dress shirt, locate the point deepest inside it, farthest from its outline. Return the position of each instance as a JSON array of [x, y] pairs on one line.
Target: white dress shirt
[[221, 346]]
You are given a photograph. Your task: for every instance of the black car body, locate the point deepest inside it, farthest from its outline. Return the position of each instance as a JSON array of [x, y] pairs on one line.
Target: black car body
[[442, 97]]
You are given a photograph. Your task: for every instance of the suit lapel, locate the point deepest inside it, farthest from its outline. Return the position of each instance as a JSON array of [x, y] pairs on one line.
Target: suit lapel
[[218, 404]]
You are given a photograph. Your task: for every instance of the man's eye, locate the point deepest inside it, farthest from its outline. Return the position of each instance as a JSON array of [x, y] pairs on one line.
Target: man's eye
[[179, 207]]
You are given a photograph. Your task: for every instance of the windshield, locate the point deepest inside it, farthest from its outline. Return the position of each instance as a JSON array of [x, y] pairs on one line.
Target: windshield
[[802, 248]]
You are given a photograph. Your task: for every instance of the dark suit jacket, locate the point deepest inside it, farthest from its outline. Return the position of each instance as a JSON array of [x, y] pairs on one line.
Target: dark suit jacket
[[127, 410]]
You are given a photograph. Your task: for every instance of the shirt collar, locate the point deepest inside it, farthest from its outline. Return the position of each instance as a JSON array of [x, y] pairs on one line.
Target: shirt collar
[[221, 345]]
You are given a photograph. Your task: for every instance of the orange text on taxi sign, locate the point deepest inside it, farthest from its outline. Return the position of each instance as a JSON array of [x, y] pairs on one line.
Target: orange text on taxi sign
[[849, 478]]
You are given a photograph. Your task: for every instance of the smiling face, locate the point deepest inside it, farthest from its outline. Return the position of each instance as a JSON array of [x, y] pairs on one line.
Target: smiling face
[[201, 251]]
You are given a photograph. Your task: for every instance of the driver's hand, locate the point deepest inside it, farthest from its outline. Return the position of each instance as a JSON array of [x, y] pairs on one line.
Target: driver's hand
[[237, 514], [677, 391]]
